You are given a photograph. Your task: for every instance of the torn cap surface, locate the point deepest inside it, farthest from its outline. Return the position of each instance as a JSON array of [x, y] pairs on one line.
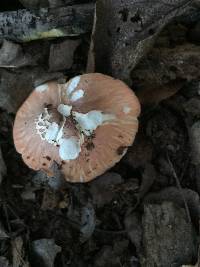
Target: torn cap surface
[[85, 126]]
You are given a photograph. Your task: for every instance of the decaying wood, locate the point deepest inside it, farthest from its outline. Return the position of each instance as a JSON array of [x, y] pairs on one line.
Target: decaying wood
[[35, 4], [24, 25], [126, 30]]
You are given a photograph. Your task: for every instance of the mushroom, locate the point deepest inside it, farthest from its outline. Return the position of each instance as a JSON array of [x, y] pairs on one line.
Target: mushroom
[[85, 126]]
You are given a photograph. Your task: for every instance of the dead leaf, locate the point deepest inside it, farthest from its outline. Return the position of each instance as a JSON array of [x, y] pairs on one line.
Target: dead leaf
[[12, 56], [154, 95], [16, 86], [58, 52]]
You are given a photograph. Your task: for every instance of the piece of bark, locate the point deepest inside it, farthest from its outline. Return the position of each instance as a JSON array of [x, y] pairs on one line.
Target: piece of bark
[[151, 95], [126, 30], [24, 25], [35, 4], [168, 237]]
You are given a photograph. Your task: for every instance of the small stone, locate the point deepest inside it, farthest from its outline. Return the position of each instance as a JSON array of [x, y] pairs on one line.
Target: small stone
[[44, 252], [62, 54], [192, 106]]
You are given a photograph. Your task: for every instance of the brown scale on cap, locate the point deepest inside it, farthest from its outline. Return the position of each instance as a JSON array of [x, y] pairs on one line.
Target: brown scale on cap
[[85, 126]]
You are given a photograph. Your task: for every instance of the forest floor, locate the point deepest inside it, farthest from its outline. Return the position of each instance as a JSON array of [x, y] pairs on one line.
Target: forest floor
[[144, 211]]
